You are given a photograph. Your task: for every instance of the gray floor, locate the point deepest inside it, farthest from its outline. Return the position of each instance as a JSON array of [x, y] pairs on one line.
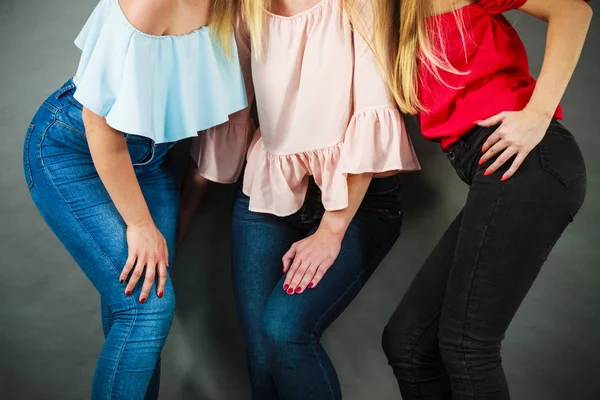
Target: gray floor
[[50, 329]]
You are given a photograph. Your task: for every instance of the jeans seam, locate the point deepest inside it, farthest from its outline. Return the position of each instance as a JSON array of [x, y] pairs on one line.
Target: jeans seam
[[463, 341], [69, 127], [415, 346], [109, 262]]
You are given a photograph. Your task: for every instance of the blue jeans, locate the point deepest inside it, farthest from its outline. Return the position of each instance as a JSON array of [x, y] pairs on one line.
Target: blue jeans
[[282, 333], [71, 198]]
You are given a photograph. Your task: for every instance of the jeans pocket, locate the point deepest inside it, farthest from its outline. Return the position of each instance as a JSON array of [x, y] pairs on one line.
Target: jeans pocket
[[388, 203], [561, 157], [141, 150], [26, 156]]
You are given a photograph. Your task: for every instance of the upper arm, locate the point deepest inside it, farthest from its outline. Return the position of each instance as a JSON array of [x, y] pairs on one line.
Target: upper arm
[[149, 16], [543, 9]]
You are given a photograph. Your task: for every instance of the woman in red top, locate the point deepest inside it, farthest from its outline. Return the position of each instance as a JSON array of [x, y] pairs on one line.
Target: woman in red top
[[463, 69]]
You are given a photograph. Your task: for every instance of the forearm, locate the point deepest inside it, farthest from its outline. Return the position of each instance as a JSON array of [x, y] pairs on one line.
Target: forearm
[[568, 23], [337, 222], [113, 164]]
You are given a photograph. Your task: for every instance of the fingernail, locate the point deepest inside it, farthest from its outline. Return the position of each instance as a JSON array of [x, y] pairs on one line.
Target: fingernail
[[504, 177], [487, 172], [122, 281], [298, 289], [290, 291], [311, 285], [128, 293], [143, 300], [483, 149], [285, 287], [478, 121], [160, 295], [481, 161]]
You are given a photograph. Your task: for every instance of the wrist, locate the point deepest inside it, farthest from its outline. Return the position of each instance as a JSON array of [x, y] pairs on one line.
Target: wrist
[[543, 111], [334, 228], [142, 222]]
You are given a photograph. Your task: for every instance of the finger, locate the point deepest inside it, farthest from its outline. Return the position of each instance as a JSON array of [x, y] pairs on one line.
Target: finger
[[162, 279], [500, 160], [494, 138], [514, 166], [493, 120], [290, 275], [323, 268], [288, 258], [129, 264], [496, 149], [148, 280], [136, 275], [299, 275], [165, 250], [307, 281]]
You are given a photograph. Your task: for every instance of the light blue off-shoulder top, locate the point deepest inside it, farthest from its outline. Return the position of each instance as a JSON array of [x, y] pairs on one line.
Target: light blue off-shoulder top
[[166, 88]]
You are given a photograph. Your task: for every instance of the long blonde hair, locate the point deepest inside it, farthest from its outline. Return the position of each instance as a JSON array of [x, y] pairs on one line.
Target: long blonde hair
[[221, 16], [402, 38]]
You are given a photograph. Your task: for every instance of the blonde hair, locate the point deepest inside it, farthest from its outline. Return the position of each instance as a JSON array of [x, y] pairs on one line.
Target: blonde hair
[[221, 17], [402, 38]]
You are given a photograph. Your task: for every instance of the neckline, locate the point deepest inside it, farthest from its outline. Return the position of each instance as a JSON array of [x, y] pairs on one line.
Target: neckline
[[311, 10], [117, 5]]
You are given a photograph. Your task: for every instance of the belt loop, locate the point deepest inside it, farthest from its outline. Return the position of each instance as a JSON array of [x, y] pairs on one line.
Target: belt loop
[[68, 86]]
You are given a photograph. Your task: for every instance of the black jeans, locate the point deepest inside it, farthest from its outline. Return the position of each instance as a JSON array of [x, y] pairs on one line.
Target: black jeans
[[444, 339]]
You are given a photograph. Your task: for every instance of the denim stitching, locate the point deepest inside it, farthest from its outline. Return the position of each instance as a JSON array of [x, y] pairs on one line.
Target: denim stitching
[[412, 351], [26, 151], [471, 290], [104, 255]]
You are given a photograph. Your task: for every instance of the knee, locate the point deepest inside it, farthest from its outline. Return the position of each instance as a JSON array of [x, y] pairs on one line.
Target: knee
[[397, 343], [282, 333], [157, 313]]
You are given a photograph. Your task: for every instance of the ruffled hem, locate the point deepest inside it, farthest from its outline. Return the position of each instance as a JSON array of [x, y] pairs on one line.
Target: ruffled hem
[[166, 88], [376, 142], [220, 152]]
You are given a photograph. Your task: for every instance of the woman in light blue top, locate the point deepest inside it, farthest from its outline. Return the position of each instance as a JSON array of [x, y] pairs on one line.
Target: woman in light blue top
[[152, 72]]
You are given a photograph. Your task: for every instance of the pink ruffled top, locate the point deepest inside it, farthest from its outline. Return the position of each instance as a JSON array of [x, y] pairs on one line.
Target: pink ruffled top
[[324, 111]]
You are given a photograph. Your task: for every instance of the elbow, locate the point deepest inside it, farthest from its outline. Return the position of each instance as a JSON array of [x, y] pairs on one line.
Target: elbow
[[584, 13]]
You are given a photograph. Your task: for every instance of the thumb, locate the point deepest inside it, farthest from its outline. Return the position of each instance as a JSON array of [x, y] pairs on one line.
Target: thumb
[[494, 120]]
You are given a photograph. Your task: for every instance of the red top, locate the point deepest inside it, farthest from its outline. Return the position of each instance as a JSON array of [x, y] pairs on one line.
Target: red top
[[497, 72]]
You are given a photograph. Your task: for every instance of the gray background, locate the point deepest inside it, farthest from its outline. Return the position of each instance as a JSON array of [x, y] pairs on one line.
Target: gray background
[[50, 330]]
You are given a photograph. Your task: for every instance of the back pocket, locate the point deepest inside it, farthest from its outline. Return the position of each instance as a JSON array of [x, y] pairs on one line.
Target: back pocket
[[26, 157], [561, 156]]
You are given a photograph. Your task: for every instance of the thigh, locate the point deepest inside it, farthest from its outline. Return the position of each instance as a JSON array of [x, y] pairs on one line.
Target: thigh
[[371, 234], [507, 231], [258, 243]]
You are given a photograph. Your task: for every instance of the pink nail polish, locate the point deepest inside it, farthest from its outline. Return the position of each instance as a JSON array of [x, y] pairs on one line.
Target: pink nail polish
[[481, 161], [285, 287], [487, 172], [143, 300], [298, 289], [311, 285], [503, 178], [483, 149], [290, 291]]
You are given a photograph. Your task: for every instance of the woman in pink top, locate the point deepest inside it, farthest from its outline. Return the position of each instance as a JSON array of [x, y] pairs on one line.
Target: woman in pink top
[[319, 206]]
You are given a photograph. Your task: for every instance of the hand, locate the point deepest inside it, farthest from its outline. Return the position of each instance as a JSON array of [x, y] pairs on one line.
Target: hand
[[308, 259], [518, 133], [147, 251]]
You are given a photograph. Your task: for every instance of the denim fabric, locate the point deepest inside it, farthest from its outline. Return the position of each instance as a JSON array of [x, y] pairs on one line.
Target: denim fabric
[[444, 339], [282, 333], [71, 198]]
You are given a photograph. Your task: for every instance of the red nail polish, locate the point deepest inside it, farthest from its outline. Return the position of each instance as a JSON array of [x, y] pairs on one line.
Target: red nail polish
[[285, 287], [481, 161], [311, 285], [483, 149], [160, 295], [290, 291], [487, 172], [128, 293], [143, 300], [503, 178], [298, 289]]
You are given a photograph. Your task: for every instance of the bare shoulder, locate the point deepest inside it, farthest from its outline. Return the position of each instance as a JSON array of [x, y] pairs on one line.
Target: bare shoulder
[[149, 16]]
